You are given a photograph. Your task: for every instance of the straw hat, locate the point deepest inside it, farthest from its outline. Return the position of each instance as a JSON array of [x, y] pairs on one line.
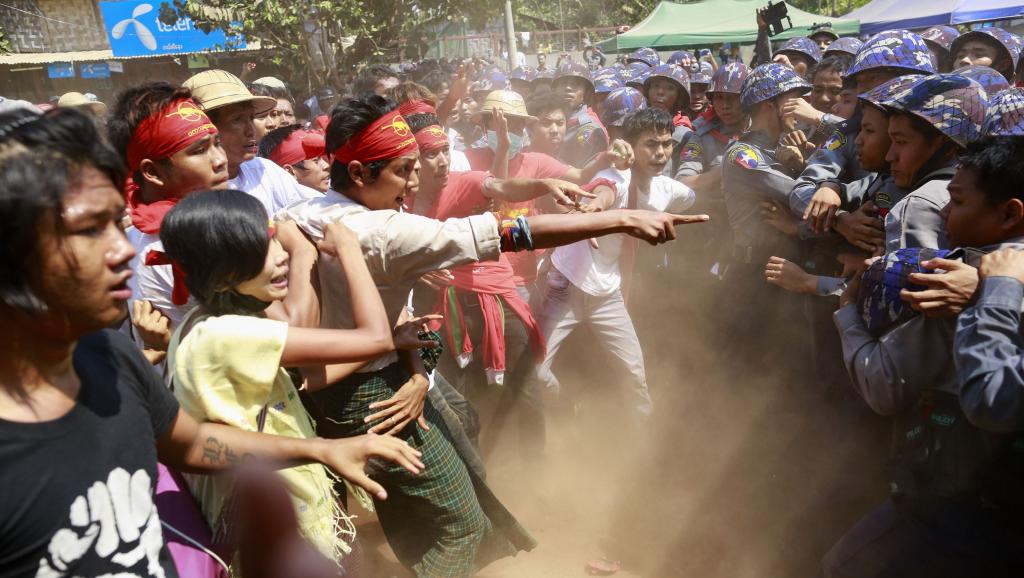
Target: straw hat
[[511, 104], [79, 100], [214, 89]]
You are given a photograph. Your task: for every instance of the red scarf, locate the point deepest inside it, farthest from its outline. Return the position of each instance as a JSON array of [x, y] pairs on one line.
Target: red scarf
[[709, 117], [387, 138]]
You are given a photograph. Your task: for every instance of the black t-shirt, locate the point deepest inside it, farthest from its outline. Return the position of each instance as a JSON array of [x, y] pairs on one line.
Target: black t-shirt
[[76, 493]]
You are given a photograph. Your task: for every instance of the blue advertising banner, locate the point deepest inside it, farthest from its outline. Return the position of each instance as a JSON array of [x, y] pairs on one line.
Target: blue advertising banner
[[61, 70], [134, 29], [95, 70]]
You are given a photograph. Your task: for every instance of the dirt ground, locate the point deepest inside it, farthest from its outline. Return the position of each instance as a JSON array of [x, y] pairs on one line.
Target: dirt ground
[[737, 475]]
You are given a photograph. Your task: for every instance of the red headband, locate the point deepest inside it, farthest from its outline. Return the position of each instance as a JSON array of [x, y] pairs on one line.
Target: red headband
[[386, 138], [432, 138], [299, 146], [411, 107], [160, 135]]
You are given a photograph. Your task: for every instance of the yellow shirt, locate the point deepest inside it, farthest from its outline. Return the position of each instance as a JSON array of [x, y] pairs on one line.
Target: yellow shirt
[[226, 369]]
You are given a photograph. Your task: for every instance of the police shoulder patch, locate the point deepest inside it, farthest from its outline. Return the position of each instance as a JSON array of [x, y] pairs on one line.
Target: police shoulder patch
[[835, 142], [745, 156], [692, 151], [584, 133]]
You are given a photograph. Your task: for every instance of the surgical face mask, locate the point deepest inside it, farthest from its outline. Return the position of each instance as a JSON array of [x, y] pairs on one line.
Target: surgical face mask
[[515, 143]]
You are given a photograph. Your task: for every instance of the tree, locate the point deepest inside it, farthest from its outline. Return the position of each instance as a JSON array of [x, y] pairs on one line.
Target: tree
[[320, 38]]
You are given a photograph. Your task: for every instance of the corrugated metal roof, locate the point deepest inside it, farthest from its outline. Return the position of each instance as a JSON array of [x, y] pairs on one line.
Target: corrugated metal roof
[[87, 56]]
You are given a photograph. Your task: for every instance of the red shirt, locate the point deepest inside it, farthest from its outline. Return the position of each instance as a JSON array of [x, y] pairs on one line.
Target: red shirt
[[526, 165]]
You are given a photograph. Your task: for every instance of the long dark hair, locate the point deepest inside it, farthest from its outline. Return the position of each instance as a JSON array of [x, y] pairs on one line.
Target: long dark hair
[[219, 239], [41, 158]]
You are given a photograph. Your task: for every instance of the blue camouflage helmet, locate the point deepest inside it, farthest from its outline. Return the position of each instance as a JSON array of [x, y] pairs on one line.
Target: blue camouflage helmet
[[683, 59], [1009, 42], [989, 79], [1005, 115], [673, 73], [706, 68], [884, 92], [575, 70], [524, 73], [648, 56], [620, 103], [955, 105], [635, 74], [491, 80], [729, 79], [607, 80], [941, 36], [878, 300], [898, 49], [768, 81], [848, 46], [803, 46], [700, 78]]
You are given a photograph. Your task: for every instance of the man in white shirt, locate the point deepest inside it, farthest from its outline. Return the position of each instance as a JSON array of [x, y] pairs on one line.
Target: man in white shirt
[[585, 284], [233, 109]]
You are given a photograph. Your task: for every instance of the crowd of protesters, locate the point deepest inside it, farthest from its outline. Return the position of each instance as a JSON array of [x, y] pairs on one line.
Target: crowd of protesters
[[366, 291]]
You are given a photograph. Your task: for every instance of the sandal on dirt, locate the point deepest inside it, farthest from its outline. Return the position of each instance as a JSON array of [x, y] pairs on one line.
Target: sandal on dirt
[[603, 567]]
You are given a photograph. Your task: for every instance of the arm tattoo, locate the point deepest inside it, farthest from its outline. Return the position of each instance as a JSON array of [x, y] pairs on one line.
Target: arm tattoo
[[216, 453]]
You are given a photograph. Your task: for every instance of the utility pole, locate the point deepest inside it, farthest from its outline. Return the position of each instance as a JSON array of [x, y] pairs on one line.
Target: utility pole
[[510, 37]]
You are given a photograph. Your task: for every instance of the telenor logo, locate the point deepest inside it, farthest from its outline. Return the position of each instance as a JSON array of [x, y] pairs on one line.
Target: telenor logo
[[145, 36]]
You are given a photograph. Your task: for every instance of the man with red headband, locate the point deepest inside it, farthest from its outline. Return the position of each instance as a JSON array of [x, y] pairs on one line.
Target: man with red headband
[[299, 152], [171, 149], [441, 522], [233, 109]]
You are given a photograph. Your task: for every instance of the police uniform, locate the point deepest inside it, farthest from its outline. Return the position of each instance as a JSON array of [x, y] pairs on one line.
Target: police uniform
[[834, 162], [705, 149], [585, 138]]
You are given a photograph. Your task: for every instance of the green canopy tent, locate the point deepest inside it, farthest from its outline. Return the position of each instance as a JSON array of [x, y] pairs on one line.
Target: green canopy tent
[[707, 22]]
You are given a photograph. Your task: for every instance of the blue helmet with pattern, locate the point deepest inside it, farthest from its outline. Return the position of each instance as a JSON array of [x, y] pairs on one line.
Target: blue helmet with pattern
[[635, 74], [989, 79], [1005, 115], [847, 46], [729, 78], [524, 73], [620, 103], [768, 81], [683, 59], [648, 56], [884, 92], [878, 300], [898, 49], [1008, 41], [955, 105], [607, 80], [491, 80], [941, 36], [803, 46], [673, 73], [700, 78], [575, 70]]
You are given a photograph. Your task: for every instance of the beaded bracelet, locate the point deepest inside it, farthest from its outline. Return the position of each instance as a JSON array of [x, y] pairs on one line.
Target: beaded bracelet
[[515, 235]]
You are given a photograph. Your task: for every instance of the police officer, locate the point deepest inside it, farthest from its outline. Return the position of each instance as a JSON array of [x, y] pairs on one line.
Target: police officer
[[848, 46], [521, 80], [699, 161], [648, 56], [752, 175], [992, 47], [668, 88], [585, 136], [605, 81], [884, 57], [800, 53]]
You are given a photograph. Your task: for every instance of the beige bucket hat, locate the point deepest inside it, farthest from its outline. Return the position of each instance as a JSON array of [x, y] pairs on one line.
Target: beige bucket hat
[[214, 89], [271, 82], [511, 104], [79, 100]]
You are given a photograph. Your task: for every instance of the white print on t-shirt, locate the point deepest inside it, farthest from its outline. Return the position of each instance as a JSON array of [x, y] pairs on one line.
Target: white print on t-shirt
[[115, 521]]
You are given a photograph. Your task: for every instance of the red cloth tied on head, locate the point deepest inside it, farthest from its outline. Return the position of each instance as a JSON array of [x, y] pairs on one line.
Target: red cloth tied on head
[[160, 135], [387, 138], [299, 146], [432, 138], [179, 292], [411, 107], [322, 121]]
